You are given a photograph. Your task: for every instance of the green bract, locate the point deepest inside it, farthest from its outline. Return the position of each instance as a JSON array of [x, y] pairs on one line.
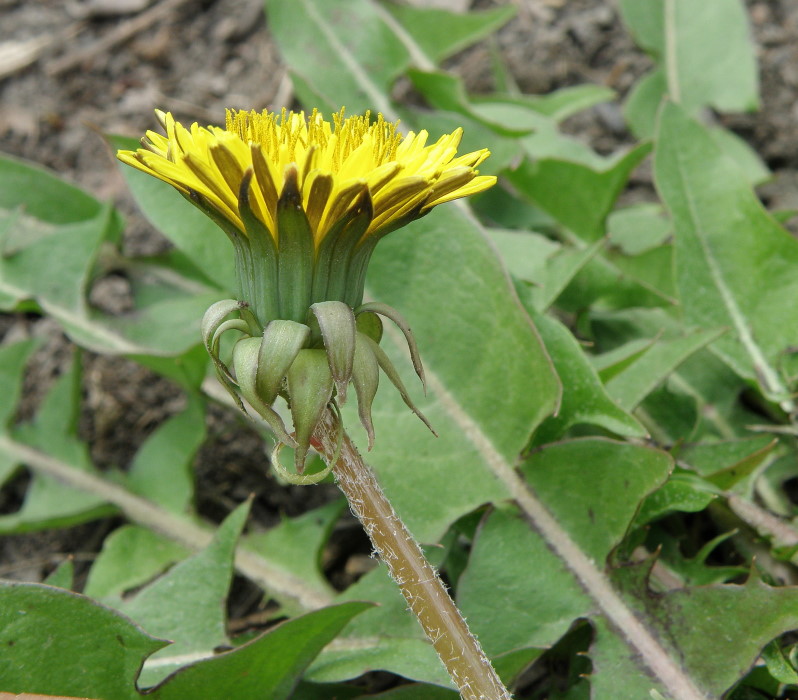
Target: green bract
[[309, 364]]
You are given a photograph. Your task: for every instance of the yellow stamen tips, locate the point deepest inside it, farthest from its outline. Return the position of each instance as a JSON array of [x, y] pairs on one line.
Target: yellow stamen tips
[[334, 160]]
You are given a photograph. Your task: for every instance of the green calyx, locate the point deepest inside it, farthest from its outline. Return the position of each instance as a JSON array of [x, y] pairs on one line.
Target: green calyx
[[282, 272], [310, 365]]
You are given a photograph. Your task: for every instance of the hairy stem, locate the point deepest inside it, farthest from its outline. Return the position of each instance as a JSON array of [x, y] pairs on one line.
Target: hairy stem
[[420, 584]]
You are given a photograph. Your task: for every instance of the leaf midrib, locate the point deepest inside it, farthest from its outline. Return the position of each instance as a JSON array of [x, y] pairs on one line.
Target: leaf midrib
[[768, 376]]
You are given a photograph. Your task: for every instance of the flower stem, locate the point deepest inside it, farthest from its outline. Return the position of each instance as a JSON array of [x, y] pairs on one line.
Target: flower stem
[[420, 584]]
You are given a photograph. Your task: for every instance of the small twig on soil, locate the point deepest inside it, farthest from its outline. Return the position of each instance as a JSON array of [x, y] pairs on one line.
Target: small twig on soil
[[120, 34], [16, 55]]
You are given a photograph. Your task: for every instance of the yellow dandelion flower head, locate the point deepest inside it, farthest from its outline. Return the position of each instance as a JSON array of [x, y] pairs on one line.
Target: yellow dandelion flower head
[[328, 166]]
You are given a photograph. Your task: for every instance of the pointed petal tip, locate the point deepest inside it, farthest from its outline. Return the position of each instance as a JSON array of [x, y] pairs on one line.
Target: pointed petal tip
[[291, 196], [243, 189]]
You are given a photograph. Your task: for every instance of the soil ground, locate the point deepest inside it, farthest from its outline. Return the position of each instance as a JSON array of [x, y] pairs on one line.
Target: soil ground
[[201, 56]]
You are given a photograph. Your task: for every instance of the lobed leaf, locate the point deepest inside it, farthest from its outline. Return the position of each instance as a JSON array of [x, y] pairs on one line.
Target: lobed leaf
[[57, 642], [267, 667], [734, 263], [194, 620], [586, 400], [131, 556], [578, 195], [161, 469]]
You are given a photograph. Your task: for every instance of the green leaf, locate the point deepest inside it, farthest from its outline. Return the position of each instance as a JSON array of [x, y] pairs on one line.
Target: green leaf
[[295, 544], [613, 362], [268, 667], [501, 208], [548, 268], [611, 662], [559, 272], [161, 470], [592, 487], [317, 38], [52, 263], [478, 347], [735, 265], [643, 103], [653, 268], [711, 41], [645, 21], [778, 665], [564, 102], [416, 691], [440, 33], [694, 571], [525, 254], [740, 619], [187, 604], [324, 691], [586, 400], [188, 369], [744, 156], [36, 190], [30, 270], [641, 109], [639, 379], [539, 132], [131, 556], [713, 457], [349, 52], [698, 45], [60, 643], [577, 195], [603, 283], [13, 359], [684, 492], [63, 576], [447, 92], [49, 503], [638, 229], [730, 476], [701, 396], [167, 326]]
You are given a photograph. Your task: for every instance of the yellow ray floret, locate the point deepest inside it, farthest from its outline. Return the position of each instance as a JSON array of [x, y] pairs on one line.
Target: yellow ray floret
[[335, 162]]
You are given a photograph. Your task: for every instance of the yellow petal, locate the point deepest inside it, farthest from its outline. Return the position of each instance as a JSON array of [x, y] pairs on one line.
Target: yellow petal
[[336, 161]]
